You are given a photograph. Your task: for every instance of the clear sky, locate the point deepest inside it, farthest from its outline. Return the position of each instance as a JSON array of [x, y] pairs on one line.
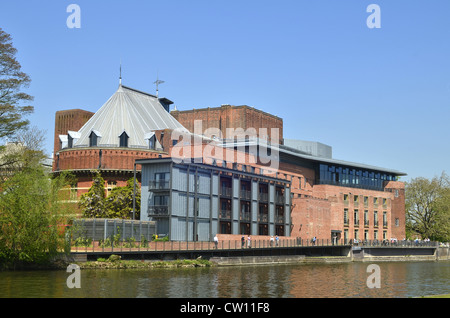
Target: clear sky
[[378, 96]]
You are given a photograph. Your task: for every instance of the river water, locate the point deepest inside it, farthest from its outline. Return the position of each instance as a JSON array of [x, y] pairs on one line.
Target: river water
[[349, 280]]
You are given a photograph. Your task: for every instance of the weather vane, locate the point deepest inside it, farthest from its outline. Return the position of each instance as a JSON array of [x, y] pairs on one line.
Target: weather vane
[[157, 82]]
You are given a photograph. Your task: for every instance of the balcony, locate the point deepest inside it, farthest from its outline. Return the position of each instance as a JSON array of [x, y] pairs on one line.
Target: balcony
[[279, 219], [263, 197], [225, 191], [263, 217], [246, 195], [158, 185], [244, 216], [225, 215], [158, 211], [279, 199]]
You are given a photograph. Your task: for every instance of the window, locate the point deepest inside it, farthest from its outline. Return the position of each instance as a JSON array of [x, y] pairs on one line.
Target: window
[[375, 218], [345, 216], [152, 142], [356, 217], [375, 201], [366, 217], [161, 200], [397, 222], [123, 140], [93, 139], [111, 185]]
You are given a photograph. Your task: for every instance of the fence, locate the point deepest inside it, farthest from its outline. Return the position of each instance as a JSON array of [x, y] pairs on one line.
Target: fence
[[119, 245], [87, 230]]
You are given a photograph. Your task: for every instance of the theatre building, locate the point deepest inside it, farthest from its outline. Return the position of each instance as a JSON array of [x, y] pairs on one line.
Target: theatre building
[[267, 186], [304, 196], [129, 126]]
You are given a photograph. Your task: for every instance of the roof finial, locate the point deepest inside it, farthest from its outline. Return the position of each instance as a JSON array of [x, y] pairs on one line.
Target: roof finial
[[120, 73], [157, 82]]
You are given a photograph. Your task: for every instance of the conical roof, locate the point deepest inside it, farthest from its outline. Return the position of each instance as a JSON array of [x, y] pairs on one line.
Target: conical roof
[[131, 111]]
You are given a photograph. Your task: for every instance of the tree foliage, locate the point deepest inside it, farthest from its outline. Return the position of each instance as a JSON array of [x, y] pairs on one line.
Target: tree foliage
[[12, 81], [119, 204], [428, 207], [93, 203], [32, 218]]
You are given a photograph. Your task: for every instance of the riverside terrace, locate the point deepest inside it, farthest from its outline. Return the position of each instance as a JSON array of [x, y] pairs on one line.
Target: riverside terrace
[[168, 250]]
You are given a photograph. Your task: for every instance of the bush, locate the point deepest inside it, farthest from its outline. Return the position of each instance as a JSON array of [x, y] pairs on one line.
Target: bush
[[114, 258]]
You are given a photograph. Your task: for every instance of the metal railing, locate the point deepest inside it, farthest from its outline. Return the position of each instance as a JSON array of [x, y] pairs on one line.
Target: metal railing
[[159, 185], [128, 245], [158, 210]]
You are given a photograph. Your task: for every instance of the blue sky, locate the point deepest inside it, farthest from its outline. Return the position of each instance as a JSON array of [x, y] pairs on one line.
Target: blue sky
[[377, 96]]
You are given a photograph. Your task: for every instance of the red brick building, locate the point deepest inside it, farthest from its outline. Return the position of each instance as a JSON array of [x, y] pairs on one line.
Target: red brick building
[[129, 126], [329, 198], [229, 120]]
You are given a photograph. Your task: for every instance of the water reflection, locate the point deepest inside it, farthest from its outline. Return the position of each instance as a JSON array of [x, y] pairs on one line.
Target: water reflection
[[406, 279]]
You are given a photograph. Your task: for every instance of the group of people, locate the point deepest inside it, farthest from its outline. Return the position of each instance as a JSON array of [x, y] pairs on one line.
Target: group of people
[[249, 241]]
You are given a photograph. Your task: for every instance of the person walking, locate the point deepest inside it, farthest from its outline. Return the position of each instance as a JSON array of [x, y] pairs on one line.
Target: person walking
[[216, 241], [249, 242], [242, 241]]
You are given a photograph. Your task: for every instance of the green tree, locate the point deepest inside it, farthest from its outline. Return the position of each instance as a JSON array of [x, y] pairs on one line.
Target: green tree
[[428, 207], [32, 218], [93, 203], [119, 203], [12, 81]]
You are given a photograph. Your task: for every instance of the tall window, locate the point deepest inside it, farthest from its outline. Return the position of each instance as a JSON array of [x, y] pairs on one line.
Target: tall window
[[152, 142], [356, 217], [161, 200], [123, 140], [69, 141], [93, 139]]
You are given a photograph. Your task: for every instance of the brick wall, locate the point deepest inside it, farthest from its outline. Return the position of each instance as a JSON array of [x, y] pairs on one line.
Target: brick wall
[[66, 120], [114, 159], [229, 116], [398, 209]]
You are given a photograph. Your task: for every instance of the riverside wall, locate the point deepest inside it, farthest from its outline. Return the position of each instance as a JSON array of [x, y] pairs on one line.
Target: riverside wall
[[231, 255]]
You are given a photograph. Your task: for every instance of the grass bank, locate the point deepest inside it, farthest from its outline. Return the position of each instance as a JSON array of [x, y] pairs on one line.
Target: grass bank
[[114, 262], [435, 296]]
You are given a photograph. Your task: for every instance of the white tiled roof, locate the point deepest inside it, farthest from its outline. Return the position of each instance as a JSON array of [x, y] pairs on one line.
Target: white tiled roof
[[137, 113]]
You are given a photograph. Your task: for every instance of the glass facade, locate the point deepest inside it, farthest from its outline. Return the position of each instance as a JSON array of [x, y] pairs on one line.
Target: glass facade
[[352, 177]]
